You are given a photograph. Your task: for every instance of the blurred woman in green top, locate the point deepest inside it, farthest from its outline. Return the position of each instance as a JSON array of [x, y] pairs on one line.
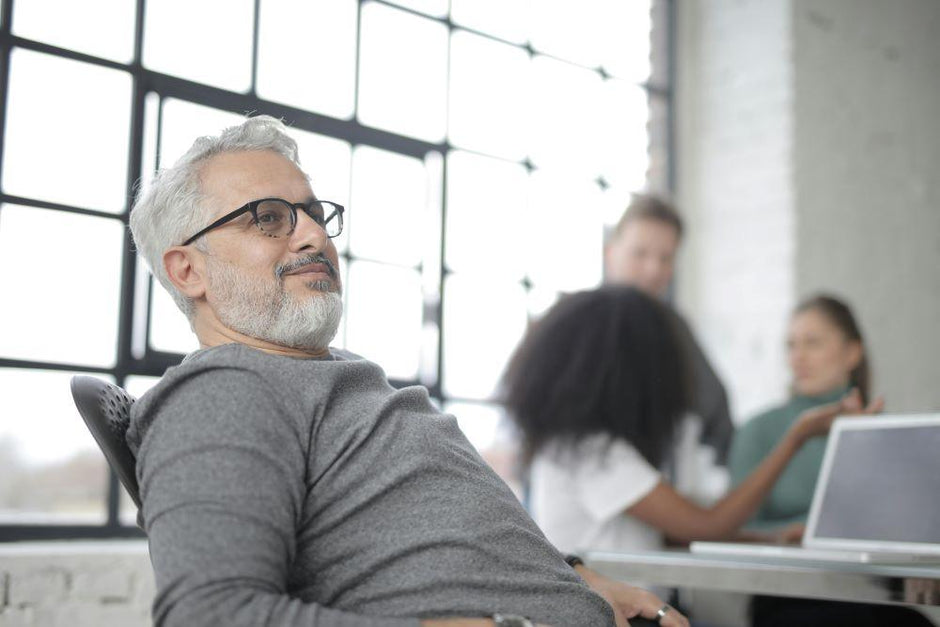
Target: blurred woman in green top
[[827, 356], [826, 353]]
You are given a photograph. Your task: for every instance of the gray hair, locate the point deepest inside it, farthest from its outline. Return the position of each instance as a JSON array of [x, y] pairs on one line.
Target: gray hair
[[173, 206]]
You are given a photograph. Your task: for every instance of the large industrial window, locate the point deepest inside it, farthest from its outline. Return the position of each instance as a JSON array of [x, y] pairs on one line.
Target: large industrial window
[[481, 147]]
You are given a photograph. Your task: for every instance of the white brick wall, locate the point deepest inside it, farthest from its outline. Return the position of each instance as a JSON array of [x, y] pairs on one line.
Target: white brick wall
[[808, 152], [734, 142], [75, 584]]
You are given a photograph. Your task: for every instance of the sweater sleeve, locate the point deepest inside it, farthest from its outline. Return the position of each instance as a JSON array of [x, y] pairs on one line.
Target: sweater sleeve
[[748, 450], [222, 476]]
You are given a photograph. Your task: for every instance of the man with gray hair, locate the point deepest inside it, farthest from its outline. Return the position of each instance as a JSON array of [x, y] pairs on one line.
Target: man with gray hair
[[286, 483]]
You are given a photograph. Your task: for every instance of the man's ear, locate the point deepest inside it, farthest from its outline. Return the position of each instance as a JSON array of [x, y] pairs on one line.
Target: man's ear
[[186, 269]]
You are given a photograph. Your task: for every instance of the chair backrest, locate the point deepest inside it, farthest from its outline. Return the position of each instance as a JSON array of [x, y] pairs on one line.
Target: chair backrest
[[105, 408]]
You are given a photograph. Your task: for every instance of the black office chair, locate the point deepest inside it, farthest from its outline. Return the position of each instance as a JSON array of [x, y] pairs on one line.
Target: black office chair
[[105, 408]]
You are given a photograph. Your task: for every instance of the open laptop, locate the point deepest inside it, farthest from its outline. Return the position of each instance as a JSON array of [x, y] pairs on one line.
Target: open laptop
[[877, 499]]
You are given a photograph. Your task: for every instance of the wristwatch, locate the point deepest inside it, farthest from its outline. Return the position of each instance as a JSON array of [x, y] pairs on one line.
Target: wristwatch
[[511, 620]]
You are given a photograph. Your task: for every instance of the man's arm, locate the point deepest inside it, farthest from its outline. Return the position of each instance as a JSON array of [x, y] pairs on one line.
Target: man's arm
[[629, 601], [221, 471]]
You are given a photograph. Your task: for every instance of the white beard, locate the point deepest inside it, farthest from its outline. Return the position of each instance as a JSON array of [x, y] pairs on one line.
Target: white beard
[[264, 310]]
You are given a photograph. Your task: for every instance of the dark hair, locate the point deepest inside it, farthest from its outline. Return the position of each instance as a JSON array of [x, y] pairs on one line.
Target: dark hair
[[649, 207], [839, 313], [602, 361]]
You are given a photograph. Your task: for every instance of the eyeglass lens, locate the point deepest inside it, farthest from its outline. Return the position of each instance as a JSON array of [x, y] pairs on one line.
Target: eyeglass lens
[[276, 218]]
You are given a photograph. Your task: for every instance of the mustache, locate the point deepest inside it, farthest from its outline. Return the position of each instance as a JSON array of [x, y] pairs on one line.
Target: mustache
[[306, 260]]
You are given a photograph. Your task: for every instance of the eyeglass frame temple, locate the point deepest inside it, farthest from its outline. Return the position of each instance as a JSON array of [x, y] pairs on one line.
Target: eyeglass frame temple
[[338, 210]]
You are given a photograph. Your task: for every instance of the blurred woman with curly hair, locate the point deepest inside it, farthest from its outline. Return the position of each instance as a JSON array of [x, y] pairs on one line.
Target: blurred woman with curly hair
[[598, 388]]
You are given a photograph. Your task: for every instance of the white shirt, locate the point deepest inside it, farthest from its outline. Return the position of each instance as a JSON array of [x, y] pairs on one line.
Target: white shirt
[[579, 497]]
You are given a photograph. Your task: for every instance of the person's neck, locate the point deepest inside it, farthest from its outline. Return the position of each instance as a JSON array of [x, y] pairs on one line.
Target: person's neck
[[831, 394], [214, 333]]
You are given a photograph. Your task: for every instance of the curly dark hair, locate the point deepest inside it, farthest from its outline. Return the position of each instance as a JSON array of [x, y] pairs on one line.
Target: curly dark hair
[[601, 361]]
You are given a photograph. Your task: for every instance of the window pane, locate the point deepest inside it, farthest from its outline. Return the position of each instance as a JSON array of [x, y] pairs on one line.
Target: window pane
[[148, 164], [610, 33], [127, 510], [169, 328], [183, 122], [436, 8], [565, 233], [207, 41], [483, 321], [320, 37], [486, 213], [389, 199], [109, 35], [51, 470], [488, 88], [480, 422], [506, 19], [88, 166], [327, 162], [138, 385], [566, 29], [63, 308], [383, 322], [620, 135], [340, 340], [563, 108], [541, 299], [403, 73], [614, 201], [623, 37]]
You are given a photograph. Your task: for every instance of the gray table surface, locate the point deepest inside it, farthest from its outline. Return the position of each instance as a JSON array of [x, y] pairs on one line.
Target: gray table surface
[[909, 584]]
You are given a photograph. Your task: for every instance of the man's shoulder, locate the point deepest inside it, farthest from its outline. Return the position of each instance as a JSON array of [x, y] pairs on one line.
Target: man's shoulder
[[222, 367], [221, 382]]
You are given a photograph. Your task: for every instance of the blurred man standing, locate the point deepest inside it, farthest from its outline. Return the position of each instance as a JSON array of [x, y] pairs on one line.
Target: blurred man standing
[[642, 252]]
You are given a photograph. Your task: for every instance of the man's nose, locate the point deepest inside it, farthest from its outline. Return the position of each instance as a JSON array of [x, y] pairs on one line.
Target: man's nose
[[308, 234]]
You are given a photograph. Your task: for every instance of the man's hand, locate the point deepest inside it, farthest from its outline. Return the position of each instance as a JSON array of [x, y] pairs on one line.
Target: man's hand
[[462, 622], [629, 601]]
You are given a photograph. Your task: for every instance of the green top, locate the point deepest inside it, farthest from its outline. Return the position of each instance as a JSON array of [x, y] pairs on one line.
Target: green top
[[790, 499]]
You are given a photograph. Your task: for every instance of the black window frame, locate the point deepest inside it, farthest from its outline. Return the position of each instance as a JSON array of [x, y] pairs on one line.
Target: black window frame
[[145, 81]]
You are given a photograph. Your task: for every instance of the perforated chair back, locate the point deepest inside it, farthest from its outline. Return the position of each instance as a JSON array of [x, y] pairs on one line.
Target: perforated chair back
[[106, 408]]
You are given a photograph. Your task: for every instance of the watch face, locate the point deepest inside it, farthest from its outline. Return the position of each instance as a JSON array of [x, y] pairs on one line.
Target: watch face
[[511, 620]]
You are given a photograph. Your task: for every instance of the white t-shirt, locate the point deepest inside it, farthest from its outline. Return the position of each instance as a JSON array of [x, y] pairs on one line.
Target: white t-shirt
[[579, 497]]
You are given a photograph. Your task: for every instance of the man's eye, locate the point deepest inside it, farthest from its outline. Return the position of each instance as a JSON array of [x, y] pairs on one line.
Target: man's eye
[[269, 218]]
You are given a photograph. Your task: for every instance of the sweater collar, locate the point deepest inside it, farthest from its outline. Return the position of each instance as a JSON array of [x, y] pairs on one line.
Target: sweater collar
[[822, 399]]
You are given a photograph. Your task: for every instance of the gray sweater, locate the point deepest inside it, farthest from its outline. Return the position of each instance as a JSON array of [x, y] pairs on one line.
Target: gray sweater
[[280, 491]]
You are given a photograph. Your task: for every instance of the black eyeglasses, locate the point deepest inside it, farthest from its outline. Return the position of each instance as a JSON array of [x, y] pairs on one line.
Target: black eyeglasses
[[277, 217]]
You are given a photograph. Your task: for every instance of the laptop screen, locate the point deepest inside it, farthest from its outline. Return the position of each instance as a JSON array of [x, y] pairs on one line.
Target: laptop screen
[[883, 483]]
